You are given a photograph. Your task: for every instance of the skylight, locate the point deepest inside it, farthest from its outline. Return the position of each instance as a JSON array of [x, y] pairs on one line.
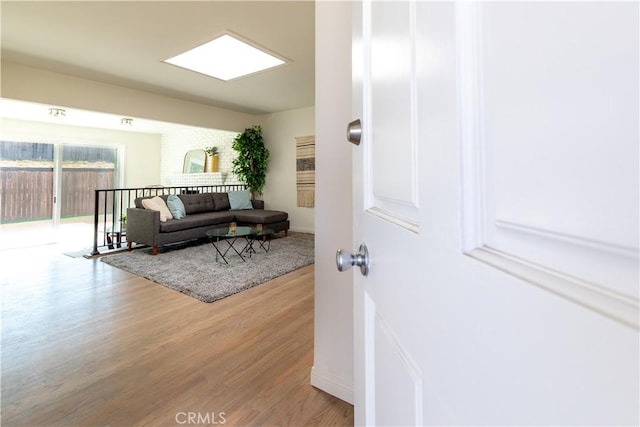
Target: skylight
[[225, 58]]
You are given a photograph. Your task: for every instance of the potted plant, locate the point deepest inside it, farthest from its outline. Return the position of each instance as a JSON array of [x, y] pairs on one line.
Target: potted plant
[[211, 164], [251, 164]]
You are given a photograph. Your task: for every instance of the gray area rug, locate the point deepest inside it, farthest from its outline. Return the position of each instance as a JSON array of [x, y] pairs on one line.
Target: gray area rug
[[191, 268]]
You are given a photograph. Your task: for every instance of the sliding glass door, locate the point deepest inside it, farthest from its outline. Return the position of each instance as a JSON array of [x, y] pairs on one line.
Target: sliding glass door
[[47, 191], [83, 170], [26, 193]]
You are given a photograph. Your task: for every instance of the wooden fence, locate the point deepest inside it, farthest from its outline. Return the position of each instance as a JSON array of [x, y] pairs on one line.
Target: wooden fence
[[78, 186], [26, 194]]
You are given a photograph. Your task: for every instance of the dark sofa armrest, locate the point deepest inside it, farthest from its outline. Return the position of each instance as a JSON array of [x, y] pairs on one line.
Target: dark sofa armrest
[[143, 225], [258, 204]]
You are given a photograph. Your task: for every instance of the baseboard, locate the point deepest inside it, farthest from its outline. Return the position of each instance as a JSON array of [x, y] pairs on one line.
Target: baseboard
[[332, 384], [303, 230]]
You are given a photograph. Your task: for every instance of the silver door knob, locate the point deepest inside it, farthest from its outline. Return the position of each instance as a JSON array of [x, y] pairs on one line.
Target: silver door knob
[[354, 132], [345, 260]]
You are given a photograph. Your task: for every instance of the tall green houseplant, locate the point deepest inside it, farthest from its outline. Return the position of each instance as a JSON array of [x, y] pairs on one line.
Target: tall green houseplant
[[251, 164]]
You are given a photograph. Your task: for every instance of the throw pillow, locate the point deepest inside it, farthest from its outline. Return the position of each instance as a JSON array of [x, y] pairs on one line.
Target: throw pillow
[[176, 207], [240, 200], [157, 204]]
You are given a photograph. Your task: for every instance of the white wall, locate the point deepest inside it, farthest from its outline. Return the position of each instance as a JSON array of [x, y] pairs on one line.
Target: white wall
[[333, 347], [134, 144], [279, 131], [47, 87]]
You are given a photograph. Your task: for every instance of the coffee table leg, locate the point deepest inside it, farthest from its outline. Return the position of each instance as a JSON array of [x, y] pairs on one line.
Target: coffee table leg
[[249, 246], [235, 250], [214, 243], [262, 242]]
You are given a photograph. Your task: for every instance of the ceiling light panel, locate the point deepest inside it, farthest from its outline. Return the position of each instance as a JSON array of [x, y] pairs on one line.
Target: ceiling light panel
[[226, 58]]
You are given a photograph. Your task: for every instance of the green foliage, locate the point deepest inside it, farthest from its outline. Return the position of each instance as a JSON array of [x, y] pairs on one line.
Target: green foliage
[[251, 164], [211, 151]]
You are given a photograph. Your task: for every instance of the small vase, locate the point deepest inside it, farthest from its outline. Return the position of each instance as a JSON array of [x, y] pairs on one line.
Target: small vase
[[211, 165]]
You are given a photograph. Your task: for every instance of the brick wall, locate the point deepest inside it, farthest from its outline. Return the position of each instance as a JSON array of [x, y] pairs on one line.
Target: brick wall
[[174, 146]]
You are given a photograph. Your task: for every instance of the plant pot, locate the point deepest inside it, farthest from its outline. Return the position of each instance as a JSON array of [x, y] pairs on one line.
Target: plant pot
[[211, 164]]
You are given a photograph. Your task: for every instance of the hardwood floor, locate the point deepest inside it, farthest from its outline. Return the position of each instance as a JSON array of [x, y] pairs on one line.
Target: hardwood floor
[[86, 344]]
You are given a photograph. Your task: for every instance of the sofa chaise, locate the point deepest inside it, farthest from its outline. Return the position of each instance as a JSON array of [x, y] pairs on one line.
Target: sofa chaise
[[203, 212]]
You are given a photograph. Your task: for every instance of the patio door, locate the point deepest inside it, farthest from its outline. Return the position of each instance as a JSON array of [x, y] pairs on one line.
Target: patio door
[[26, 193], [82, 170], [47, 191]]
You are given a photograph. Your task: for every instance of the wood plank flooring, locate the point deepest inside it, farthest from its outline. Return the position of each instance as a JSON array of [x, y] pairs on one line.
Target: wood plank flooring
[[85, 344]]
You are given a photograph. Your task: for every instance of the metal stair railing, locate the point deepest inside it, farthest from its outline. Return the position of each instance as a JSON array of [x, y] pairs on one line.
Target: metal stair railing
[[110, 207]]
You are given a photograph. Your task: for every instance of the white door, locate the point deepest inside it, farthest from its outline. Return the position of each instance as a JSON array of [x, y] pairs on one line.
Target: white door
[[496, 187]]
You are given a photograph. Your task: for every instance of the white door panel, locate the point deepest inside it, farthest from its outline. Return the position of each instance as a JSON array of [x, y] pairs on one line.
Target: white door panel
[[563, 128], [391, 149], [552, 188], [404, 405]]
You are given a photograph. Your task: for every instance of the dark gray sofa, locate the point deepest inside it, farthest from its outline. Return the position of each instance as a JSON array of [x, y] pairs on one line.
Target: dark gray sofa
[[204, 212]]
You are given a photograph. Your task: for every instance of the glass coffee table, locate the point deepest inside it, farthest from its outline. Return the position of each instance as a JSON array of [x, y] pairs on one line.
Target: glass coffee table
[[247, 236]]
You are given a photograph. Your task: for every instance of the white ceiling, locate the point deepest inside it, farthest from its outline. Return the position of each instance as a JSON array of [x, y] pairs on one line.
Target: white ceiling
[[125, 42]]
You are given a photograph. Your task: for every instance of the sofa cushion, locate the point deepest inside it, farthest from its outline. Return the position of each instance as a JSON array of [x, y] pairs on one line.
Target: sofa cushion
[[197, 203], [197, 220], [138, 200], [240, 200], [158, 204], [260, 216], [176, 207], [221, 201]]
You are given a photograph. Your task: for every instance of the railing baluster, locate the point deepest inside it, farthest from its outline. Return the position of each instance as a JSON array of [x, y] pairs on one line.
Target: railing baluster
[[95, 223]]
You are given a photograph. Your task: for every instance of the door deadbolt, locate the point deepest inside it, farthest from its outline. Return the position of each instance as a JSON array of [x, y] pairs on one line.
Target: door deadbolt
[[345, 260]]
